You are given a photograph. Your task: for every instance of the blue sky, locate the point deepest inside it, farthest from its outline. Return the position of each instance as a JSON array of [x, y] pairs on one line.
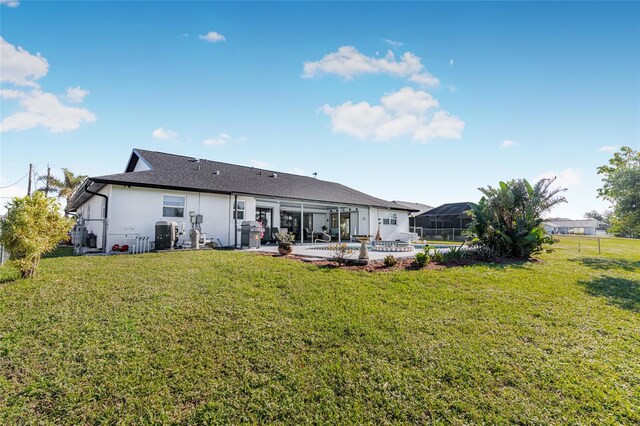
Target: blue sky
[[312, 87]]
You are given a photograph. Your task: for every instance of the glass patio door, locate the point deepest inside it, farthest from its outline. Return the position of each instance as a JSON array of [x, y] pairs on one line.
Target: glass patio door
[[265, 216], [345, 226]]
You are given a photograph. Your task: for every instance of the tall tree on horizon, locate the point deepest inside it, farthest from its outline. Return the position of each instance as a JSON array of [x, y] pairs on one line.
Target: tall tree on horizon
[[621, 186]]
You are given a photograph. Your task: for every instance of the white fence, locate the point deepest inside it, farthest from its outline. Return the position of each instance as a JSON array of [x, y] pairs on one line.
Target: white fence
[[444, 234]]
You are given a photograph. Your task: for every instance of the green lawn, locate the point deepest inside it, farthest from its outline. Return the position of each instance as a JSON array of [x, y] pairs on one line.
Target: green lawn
[[230, 337]]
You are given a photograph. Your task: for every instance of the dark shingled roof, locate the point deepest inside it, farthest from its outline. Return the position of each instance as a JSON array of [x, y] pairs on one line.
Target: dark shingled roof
[[169, 171], [420, 208], [449, 209]]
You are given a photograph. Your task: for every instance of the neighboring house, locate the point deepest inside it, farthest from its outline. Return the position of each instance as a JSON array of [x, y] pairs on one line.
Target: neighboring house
[[444, 221], [158, 186], [568, 226]]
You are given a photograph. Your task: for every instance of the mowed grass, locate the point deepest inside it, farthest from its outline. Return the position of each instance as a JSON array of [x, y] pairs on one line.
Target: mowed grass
[[231, 337]]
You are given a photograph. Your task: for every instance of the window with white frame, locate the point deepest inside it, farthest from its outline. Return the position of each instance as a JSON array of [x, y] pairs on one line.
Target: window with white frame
[[391, 219], [238, 211], [173, 206]]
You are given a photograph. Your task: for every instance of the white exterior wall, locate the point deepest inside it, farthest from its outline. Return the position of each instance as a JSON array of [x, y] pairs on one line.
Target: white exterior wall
[[389, 232], [94, 209], [135, 211]]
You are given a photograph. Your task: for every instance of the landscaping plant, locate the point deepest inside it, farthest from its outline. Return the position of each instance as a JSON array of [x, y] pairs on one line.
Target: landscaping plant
[[422, 258], [340, 252], [32, 226], [390, 261], [508, 218], [455, 254]]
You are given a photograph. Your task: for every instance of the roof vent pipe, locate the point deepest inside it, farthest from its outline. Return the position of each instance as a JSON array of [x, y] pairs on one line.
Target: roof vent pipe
[[275, 175], [217, 172]]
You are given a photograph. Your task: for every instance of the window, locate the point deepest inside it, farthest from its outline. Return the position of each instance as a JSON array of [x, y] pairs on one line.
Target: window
[[172, 206], [239, 210], [391, 219]]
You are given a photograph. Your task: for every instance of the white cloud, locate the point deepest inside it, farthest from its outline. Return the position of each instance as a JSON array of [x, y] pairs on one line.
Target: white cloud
[[259, 164], [608, 148], [402, 113], [425, 79], [442, 126], [20, 67], [76, 94], [213, 37], [11, 94], [393, 43], [45, 109], [10, 3], [407, 100], [347, 63], [222, 139], [161, 133], [567, 178], [508, 143]]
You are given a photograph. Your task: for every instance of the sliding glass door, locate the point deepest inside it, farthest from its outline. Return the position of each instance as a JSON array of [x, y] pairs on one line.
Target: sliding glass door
[[265, 216]]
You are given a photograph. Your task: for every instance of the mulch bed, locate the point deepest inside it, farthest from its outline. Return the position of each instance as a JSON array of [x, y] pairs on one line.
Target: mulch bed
[[401, 265]]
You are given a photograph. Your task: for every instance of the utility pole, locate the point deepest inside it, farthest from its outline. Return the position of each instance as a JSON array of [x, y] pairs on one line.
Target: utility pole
[[46, 187], [30, 173]]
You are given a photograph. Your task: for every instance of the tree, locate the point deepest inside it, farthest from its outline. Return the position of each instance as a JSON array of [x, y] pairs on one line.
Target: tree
[[508, 218], [605, 216], [50, 184], [70, 183], [64, 187], [32, 226], [621, 186]]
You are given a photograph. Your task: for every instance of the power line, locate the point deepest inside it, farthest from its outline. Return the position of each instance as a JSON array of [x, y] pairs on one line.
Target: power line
[[21, 179]]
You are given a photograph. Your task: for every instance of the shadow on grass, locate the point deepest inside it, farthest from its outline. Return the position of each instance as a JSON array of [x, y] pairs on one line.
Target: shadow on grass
[[620, 292], [60, 251], [604, 263]]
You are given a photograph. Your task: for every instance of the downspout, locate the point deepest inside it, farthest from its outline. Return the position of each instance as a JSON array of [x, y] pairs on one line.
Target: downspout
[[235, 221], [106, 209]]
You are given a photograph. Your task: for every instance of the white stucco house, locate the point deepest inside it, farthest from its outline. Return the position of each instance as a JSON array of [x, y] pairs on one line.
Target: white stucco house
[[158, 186], [575, 227]]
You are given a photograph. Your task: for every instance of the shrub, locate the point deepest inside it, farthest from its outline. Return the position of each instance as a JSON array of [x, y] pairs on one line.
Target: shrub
[[455, 254], [32, 226], [340, 252], [284, 237], [438, 256], [482, 253], [422, 258], [390, 261], [508, 218]]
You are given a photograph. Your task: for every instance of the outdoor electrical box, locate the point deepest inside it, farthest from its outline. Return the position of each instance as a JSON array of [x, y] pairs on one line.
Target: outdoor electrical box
[[195, 218]]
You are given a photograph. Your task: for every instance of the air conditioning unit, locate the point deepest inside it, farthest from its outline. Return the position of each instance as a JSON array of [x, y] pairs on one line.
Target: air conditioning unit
[[166, 235]]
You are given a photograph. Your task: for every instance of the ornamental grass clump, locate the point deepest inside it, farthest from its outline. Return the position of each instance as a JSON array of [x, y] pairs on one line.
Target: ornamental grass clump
[[32, 226]]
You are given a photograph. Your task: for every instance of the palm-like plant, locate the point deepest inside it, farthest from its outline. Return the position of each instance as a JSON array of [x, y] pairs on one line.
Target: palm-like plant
[[508, 218], [70, 183], [64, 187]]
